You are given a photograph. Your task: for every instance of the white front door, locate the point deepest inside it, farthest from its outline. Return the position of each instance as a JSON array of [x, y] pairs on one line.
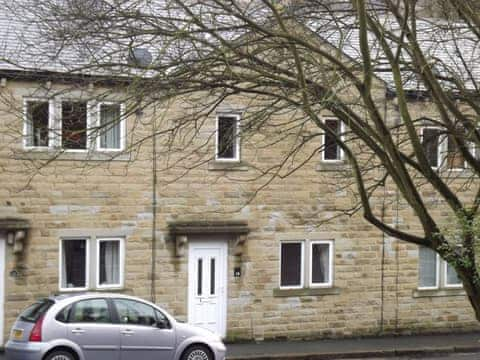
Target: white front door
[[207, 285], [2, 283]]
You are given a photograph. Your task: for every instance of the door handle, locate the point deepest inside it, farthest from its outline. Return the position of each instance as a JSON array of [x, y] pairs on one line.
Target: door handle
[[127, 332], [78, 331]]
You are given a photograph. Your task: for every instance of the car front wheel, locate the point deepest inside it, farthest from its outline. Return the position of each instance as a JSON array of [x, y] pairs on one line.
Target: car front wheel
[[60, 355], [197, 352]]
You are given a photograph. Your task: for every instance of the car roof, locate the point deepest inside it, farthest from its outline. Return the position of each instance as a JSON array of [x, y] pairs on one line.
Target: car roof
[[87, 295]]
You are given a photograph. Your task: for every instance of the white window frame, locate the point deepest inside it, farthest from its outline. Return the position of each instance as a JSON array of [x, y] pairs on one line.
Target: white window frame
[[89, 105], [237, 118], [51, 112], [330, 264], [445, 278], [122, 126], [302, 264], [121, 263], [342, 138], [87, 265], [439, 148]]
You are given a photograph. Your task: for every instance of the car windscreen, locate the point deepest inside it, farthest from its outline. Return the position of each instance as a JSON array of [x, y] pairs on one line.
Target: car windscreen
[[34, 311]]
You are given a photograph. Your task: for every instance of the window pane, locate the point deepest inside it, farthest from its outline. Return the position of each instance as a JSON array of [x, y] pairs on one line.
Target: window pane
[[63, 315], [291, 264], [110, 126], [74, 125], [91, 311], [455, 159], [212, 276], [109, 259], [427, 267], [320, 263], [36, 310], [452, 277], [199, 277], [135, 312], [37, 123], [331, 149], [430, 145], [227, 133], [74, 263]]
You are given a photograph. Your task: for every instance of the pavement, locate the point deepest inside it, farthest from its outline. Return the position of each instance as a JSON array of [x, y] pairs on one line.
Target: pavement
[[421, 346], [463, 346]]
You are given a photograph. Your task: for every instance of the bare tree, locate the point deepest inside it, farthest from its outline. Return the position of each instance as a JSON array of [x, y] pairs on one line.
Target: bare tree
[[375, 65]]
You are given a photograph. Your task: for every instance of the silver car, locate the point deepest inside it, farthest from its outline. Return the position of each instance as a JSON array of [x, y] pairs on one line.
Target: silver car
[[106, 327]]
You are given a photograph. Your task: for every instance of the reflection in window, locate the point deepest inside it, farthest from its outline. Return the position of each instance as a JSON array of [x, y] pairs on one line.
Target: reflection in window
[[37, 123], [74, 125], [135, 312]]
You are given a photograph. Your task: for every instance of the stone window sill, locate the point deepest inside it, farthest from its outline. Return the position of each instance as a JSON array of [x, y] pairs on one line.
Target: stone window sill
[[218, 165], [422, 293], [333, 166], [306, 292], [60, 155]]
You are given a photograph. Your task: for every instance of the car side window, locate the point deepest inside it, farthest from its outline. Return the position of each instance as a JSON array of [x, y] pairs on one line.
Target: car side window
[[64, 314], [91, 311], [135, 313]]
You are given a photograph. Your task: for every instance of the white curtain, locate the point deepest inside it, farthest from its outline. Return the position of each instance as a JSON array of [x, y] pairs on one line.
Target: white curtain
[[427, 271], [320, 263], [110, 126], [110, 251]]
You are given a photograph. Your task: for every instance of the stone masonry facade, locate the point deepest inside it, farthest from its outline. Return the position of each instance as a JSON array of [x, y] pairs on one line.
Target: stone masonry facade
[[375, 277]]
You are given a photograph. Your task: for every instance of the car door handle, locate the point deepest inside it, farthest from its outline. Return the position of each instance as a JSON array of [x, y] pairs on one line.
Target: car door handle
[[78, 331], [127, 332]]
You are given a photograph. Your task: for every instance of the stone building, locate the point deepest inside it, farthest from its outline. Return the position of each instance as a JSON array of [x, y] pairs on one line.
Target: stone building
[[93, 213]]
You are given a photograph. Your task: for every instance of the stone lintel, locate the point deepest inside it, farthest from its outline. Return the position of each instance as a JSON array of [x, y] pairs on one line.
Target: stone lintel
[[208, 227], [10, 223]]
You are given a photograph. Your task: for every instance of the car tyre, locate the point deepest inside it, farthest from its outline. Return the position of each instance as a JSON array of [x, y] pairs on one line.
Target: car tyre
[[60, 355], [197, 352]]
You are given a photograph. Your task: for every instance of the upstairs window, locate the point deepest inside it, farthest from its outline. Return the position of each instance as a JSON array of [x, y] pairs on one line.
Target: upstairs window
[[74, 125], [65, 124], [441, 149], [331, 149], [454, 157], [228, 144], [431, 145], [37, 123], [110, 127]]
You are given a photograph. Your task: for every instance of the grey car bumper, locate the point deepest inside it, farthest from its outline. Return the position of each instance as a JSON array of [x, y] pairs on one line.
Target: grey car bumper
[[24, 351]]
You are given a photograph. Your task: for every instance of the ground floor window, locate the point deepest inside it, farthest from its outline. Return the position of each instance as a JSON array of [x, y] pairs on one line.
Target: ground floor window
[[434, 272], [78, 263], [306, 262]]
